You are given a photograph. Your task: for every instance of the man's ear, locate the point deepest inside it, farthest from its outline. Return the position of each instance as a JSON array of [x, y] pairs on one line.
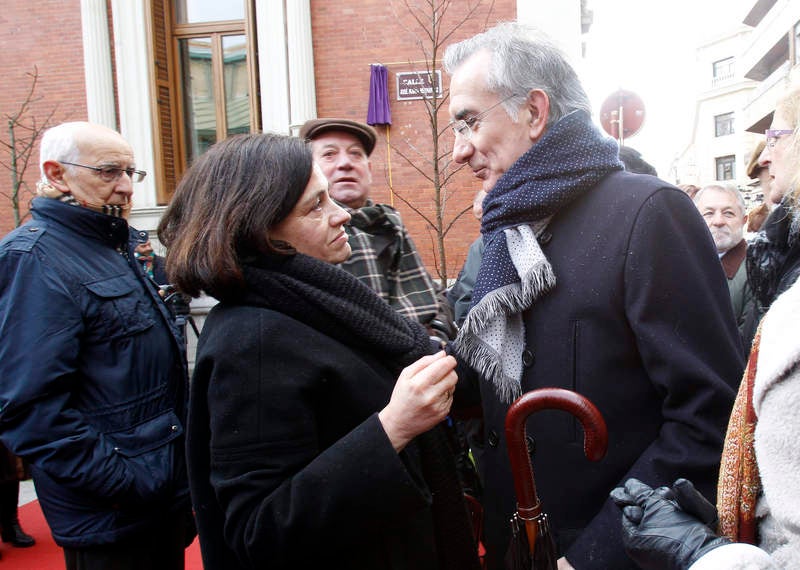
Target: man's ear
[[55, 175], [538, 106]]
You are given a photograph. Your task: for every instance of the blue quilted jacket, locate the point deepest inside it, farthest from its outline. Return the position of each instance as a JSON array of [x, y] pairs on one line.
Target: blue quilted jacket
[[93, 378]]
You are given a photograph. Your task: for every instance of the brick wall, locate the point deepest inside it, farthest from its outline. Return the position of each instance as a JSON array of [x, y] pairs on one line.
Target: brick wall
[[349, 35], [45, 34]]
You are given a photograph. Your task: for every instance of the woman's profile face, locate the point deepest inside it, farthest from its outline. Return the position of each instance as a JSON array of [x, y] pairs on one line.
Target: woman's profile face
[[780, 160], [315, 224]]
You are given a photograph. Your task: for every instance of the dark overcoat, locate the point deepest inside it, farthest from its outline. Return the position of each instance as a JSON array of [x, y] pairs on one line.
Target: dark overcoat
[[640, 322], [289, 465]]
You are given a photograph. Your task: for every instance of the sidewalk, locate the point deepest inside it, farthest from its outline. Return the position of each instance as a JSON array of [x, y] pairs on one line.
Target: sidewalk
[[27, 492]]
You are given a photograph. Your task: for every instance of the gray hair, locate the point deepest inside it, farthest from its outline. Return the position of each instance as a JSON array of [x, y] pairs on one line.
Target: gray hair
[[733, 191], [60, 143], [523, 59]]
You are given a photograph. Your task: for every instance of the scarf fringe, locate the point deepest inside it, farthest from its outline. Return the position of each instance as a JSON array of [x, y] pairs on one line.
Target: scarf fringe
[[510, 299], [487, 363]]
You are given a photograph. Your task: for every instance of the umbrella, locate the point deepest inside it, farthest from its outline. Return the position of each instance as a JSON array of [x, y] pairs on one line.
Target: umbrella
[[532, 545]]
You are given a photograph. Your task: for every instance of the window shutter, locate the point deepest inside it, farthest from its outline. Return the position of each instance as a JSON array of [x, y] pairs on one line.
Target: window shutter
[[167, 153]]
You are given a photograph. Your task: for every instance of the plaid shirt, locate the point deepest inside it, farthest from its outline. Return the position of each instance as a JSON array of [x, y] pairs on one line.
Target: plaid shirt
[[384, 258]]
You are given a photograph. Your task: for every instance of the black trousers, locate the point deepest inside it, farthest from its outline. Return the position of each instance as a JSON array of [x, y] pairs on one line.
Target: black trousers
[[9, 497], [159, 548]]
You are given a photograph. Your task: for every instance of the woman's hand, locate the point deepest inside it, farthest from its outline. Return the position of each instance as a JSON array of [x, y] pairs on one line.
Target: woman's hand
[[421, 398]]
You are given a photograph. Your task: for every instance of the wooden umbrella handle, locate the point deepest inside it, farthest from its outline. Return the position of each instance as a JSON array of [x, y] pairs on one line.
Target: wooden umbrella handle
[[595, 441]]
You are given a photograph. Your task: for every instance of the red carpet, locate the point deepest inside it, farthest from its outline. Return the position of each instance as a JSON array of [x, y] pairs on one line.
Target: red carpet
[[45, 555]]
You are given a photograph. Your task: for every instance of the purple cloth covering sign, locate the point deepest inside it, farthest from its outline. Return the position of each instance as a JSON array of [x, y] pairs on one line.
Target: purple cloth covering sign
[[378, 112]]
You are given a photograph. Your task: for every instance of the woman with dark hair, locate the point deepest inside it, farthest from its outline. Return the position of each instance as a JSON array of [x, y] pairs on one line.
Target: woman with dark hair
[[314, 408]]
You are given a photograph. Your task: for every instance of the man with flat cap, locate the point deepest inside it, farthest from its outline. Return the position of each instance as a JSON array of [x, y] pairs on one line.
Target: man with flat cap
[[383, 255]]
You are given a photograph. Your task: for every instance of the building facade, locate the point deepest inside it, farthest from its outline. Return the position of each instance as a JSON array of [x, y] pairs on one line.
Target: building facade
[[174, 76], [741, 75]]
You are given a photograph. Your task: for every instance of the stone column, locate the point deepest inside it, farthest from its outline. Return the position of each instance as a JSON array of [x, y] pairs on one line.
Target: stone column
[[302, 88], [97, 63], [273, 73], [288, 92], [133, 88]]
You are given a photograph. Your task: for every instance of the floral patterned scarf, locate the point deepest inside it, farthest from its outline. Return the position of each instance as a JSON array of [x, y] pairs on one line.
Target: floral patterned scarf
[[739, 482]]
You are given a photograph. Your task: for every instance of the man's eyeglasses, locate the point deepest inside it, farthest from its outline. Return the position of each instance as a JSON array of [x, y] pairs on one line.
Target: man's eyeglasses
[[774, 134], [463, 127], [112, 173]]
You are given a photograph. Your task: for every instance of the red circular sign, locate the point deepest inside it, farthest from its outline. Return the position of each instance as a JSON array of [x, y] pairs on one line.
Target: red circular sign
[[624, 107]]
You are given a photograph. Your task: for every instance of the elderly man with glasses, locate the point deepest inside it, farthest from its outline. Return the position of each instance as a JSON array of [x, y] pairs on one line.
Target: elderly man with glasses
[[93, 376], [593, 279]]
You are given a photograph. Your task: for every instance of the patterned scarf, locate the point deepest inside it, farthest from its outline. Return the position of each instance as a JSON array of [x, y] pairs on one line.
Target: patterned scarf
[[567, 162], [403, 281], [769, 251], [341, 307], [47, 191], [739, 482]]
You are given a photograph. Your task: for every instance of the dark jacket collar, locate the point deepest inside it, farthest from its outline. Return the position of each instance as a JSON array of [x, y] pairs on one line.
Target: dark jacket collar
[[93, 225], [733, 258]]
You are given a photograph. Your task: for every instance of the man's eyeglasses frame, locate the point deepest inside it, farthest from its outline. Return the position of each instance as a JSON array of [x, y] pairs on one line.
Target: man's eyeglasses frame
[[463, 127], [111, 173]]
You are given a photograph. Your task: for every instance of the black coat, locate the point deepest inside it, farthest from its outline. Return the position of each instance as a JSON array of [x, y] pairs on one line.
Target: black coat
[[289, 465], [640, 322]]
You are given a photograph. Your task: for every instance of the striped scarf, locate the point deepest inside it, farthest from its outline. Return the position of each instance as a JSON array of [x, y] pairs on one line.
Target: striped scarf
[[47, 191]]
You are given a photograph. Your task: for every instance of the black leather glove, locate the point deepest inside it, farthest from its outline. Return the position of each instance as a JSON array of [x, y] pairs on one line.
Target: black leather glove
[[691, 501], [656, 532]]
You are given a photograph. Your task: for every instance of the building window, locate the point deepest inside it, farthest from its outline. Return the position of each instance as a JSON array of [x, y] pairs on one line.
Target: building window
[[206, 80], [723, 69], [723, 125], [726, 167], [203, 11]]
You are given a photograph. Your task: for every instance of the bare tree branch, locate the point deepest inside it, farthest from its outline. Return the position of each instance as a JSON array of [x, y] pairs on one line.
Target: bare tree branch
[[24, 131], [416, 210], [432, 26]]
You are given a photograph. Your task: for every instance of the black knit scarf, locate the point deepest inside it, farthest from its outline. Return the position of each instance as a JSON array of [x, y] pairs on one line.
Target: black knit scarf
[[771, 251], [568, 161], [338, 305]]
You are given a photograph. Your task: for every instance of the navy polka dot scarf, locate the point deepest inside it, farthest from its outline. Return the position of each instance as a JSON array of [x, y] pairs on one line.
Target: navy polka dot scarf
[[569, 160]]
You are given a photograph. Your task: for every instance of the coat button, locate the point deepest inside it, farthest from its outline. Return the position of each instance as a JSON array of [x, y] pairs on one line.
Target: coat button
[[173, 428], [33, 230], [530, 443], [545, 238], [527, 358], [492, 439]]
